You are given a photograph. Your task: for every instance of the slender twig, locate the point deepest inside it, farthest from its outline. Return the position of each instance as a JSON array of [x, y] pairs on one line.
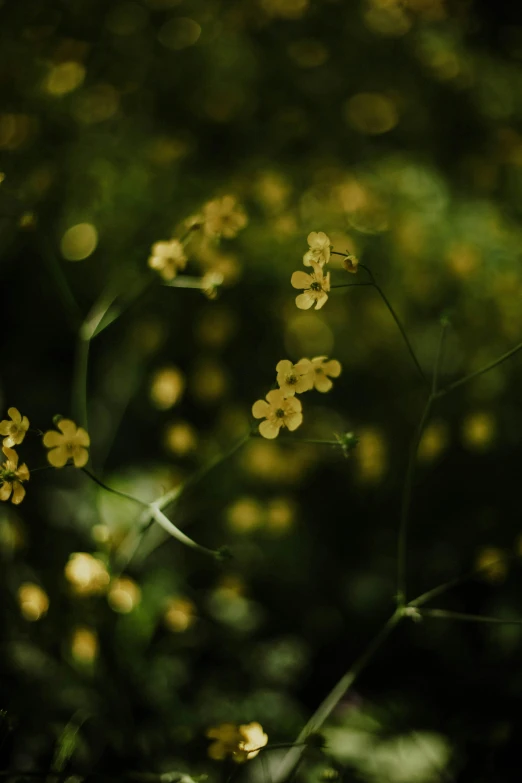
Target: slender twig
[[459, 580], [350, 285], [336, 694], [396, 319], [457, 384], [111, 489], [472, 618]]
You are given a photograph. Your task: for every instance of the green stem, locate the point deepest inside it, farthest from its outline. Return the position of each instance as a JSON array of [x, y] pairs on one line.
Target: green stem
[[471, 376], [472, 618], [112, 490], [336, 694], [64, 290], [406, 503], [350, 285], [81, 369], [396, 319]]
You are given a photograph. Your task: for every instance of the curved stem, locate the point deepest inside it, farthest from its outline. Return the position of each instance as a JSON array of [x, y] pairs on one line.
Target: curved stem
[[487, 368], [471, 618], [396, 319], [336, 694]]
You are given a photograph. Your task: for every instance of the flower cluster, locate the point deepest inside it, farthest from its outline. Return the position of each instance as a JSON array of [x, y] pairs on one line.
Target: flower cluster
[[13, 476], [219, 218], [281, 408], [240, 742], [316, 285]]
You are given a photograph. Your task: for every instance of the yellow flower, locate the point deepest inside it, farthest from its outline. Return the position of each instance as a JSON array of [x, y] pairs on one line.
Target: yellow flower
[[240, 742], [223, 217], [254, 738], [319, 249], [315, 285], [295, 378], [323, 368], [71, 442], [15, 429], [351, 263], [279, 411], [12, 476], [168, 258]]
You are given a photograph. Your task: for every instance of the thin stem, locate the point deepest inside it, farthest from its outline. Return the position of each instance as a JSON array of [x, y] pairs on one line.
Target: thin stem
[[406, 503], [438, 361], [396, 319], [336, 694], [487, 368], [79, 391], [350, 285], [472, 618], [458, 580], [111, 489]]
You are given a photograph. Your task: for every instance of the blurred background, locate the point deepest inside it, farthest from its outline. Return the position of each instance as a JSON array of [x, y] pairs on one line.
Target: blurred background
[[395, 126]]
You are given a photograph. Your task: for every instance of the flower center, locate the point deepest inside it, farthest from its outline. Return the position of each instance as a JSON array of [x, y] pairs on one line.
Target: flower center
[[7, 475], [69, 447], [280, 414], [291, 380], [316, 287]]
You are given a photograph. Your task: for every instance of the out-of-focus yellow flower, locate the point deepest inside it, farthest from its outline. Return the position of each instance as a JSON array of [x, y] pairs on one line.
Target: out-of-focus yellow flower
[[167, 258], [124, 595], [71, 442], [240, 742], [12, 477], [254, 738], [210, 283], [33, 601], [316, 287], [324, 369], [478, 430], [280, 515], [222, 217], [180, 438], [279, 411], [86, 574], [167, 387], [15, 429], [492, 563], [434, 440], [84, 644], [295, 378], [180, 615], [245, 515], [319, 249]]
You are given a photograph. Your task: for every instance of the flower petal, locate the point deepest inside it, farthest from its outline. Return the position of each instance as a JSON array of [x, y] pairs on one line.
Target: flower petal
[[321, 300], [52, 439], [260, 409], [322, 383], [284, 366], [5, 490], [80, 458], [15, 414], [11, 455], [18, 493], [293, 421], [308, 257], [301, 280], [270, 429], [68, 427], [332, 368], [58, 457], [276, 398], [23, 473], [304, 301], [82, 437], [293, 405], [5, 427]]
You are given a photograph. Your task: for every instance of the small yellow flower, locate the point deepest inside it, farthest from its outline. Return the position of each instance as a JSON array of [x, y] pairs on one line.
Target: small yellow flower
[[167, 258], [241, 742], [254, 738], [223, 217], [322, 368], [319, 249], [71, 442], [295, 378], [279, 411], [315, 285], [15, 429], [351, 263], [12, 477]]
